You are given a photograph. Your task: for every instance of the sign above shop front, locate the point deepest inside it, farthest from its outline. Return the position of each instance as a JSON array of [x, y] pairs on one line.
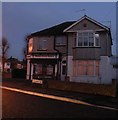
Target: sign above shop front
[[43, 56]]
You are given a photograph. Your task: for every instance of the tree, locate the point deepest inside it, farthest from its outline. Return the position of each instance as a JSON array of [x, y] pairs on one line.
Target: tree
[[5, 47], [24, 51]]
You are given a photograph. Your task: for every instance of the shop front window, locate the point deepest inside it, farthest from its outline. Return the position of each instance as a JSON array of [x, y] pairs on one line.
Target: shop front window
[[37, 70], [49, 70]]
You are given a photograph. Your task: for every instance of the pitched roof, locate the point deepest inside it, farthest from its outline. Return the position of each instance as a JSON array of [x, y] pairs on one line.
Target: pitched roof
[[55, 30], [62, 28], [88, 18]]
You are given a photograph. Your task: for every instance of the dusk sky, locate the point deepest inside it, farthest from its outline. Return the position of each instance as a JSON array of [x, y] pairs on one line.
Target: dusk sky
[[20, 19]]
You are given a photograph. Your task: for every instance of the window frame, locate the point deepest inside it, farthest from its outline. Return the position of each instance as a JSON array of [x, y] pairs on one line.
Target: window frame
[[88, 37], [44, 46], [61, 43]]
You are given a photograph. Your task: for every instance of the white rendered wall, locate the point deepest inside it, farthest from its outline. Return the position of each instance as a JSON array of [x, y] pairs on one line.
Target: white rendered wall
[[86, 79], [70, 67], [32, 68], [63, 76], [28, 70], [107, 72]]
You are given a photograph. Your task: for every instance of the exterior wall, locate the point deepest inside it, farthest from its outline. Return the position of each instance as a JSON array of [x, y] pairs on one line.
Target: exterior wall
[[86, 79], [28, 69], [107, 72], [0, 67], [86, 53], [50, 42], [105, 44], [70, 67], [109, 44], [61, 48], [71, 43], [90, 52]]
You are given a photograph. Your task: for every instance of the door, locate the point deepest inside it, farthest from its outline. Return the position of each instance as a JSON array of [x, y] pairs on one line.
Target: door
[[63, 72]]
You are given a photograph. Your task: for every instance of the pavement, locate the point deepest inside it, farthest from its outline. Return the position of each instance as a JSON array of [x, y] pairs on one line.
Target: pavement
[[89, 98]]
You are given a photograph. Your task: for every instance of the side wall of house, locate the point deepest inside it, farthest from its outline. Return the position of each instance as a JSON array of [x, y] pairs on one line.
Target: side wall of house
[[107, 72]]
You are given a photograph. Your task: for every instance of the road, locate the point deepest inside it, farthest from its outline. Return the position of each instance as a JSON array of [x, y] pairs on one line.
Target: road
[[21, 105]]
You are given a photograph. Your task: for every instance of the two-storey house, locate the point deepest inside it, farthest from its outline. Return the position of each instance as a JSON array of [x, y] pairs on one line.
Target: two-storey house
[[75, 51]]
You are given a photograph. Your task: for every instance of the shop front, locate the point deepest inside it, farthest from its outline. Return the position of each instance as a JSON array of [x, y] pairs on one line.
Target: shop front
[[43, 66]]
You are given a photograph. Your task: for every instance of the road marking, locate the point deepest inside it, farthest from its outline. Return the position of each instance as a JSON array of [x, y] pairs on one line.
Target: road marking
[[57, 98]]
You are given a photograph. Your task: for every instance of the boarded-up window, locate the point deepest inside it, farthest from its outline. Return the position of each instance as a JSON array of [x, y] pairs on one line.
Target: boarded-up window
[[86, 67]]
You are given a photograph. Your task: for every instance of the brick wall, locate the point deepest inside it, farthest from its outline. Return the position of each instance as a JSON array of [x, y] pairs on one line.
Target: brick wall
[[108, 90]]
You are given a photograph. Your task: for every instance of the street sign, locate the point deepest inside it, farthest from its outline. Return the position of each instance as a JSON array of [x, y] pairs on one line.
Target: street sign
[[37, 81]]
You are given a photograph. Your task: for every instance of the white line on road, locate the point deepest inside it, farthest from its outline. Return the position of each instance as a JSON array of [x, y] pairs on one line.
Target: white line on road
[[56, 98]]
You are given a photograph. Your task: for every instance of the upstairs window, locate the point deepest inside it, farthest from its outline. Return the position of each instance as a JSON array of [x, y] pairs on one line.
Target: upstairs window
[[87, 39], [60, 40], [43, 45]]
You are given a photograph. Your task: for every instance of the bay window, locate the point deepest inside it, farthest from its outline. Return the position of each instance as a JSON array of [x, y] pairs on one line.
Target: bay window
[[87, 39], [30, 45]]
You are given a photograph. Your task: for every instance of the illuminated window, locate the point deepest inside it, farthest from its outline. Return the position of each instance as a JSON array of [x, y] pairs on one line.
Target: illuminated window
[[86, 67], [87, 39], [30, 46]]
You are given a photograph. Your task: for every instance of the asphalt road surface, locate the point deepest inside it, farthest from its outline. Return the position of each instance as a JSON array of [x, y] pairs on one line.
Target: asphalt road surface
[[20, 105]]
